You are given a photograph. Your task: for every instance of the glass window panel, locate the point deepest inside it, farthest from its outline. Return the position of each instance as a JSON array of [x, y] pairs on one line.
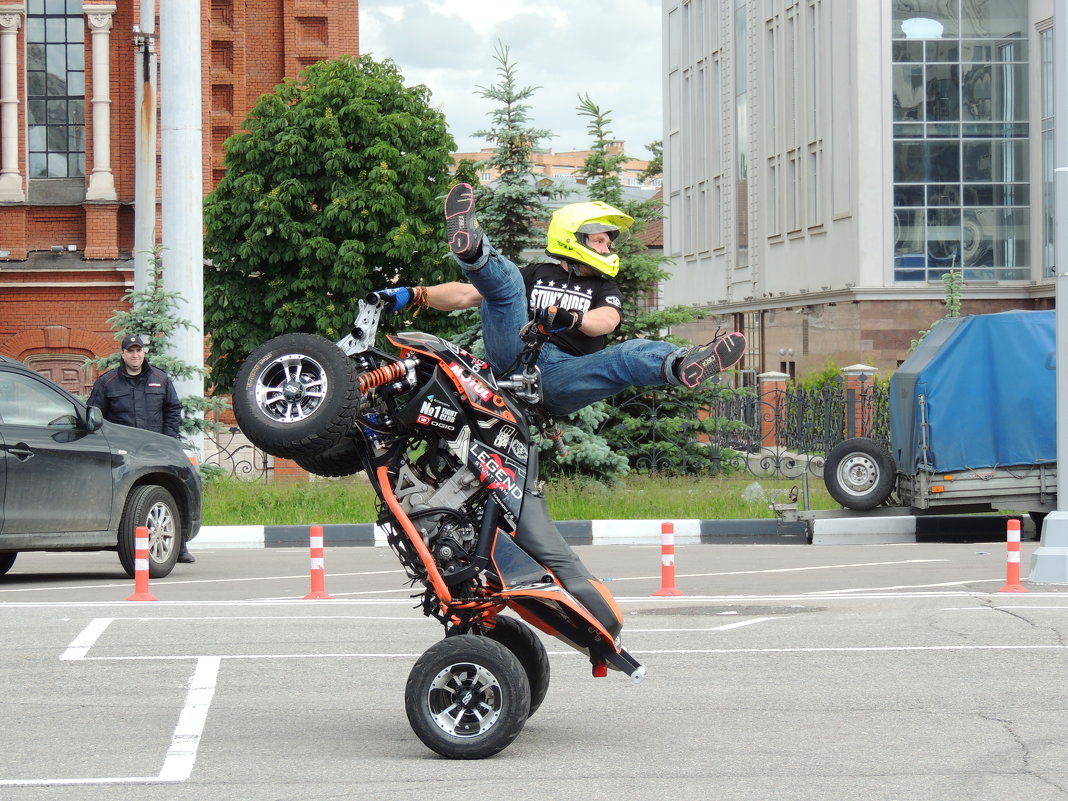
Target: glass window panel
[[908, 91], [57, 165], [908, 234], [57, 111], [908, 130], [910, 162], [38, 165], [943, 50], [76, 139], [56, 58], [76, 165], [34, 30], [943, 161], [35, 111], [36, 137], [943, 92], [977, 92], [74, 6], [914, 18], [35, 57], [1010, 92], [905, 195], [55, 30], [55, 84], [943, 130], [943, 195], [907, 50], [997, 160], [35, 83], [997, 194], [77, 112], [76, 83], [55, 6], [993, 18], [75, 29], [75, 57], [943, 238], [57, 137], [35, 7]]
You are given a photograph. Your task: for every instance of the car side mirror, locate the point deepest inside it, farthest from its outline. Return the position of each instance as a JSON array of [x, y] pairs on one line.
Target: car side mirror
[[94, 418]]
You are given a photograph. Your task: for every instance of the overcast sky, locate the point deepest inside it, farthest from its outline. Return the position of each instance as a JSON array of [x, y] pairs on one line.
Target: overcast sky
[[610, 50]]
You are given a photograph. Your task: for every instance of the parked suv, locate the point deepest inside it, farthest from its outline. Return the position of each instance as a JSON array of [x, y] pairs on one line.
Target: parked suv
[[69, 481]]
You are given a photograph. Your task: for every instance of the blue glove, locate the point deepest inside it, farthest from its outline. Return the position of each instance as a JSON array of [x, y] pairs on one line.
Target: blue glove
[[395, 298], [553, 319]]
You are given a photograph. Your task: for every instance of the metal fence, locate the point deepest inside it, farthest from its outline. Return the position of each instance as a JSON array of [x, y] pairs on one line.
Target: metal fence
[[779, 433]]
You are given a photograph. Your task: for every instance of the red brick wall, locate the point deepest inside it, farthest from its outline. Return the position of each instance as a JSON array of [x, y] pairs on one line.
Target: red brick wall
[[247, 49]]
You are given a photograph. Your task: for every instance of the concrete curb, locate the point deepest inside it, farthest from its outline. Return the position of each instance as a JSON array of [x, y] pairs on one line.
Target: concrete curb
[[575, 532]]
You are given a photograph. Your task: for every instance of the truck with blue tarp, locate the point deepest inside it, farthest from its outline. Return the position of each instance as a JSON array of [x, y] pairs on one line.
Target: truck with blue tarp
[[972, 423]]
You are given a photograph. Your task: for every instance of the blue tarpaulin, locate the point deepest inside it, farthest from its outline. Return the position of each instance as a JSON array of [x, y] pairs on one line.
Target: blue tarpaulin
[[987, 384]]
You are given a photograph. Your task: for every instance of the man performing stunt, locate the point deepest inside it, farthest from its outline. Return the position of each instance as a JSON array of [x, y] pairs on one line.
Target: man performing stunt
[[573, 298]]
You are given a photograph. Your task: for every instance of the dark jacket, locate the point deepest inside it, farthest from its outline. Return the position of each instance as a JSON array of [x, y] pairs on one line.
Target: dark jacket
[[147, 400]]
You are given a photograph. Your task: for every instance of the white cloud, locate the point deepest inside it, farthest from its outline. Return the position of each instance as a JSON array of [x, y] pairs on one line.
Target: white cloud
[[610, 51]]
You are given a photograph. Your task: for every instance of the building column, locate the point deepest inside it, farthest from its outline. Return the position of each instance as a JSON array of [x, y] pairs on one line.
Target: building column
[[10, 177], [101, 180]]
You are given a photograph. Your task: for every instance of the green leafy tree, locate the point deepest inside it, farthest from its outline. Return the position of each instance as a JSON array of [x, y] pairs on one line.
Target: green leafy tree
[[655, 168], [152, 313], [953, 282], [333, 190], [511, 210]]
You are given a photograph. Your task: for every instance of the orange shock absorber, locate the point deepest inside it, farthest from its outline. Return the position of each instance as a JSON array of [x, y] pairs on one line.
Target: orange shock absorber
[[381, 375]]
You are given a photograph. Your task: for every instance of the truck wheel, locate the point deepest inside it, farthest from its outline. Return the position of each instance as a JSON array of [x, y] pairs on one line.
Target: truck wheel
[[295, 395], [859, 473]]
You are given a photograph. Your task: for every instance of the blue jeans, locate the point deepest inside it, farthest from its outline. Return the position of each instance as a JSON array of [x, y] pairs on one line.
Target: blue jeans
[[568, 382]]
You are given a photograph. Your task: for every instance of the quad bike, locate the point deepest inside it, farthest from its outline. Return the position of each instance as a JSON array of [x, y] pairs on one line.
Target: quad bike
[[450, 452]]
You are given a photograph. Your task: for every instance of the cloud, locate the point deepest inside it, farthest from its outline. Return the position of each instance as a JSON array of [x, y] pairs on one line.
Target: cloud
[[610, 52]]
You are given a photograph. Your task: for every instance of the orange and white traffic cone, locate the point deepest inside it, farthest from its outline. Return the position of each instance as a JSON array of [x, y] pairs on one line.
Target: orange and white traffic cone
[[667, 561], [141, 592], [1012, 561], [318, 567]]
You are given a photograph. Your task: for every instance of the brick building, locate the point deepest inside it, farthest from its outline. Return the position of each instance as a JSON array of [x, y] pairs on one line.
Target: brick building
[[67, 137]]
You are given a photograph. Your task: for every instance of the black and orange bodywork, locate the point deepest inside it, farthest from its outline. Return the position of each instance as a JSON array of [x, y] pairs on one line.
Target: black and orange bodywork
[[453, 397]]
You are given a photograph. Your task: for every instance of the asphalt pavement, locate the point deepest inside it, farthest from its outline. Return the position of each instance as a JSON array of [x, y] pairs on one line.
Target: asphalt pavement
[[781, 672]]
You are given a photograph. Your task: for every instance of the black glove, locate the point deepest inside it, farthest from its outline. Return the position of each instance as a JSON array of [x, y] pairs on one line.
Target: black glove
[[553, 319]]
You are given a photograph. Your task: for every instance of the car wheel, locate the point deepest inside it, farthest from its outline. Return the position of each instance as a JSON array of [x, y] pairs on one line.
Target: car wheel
[[295, 395], [467, 697], [859, 473], [523, 641], [153, 507], [344, 459], [6, 561]]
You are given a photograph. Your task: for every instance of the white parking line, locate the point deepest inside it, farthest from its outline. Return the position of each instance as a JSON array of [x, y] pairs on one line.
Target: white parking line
[[182, 754], [785, 569], [81, 644]]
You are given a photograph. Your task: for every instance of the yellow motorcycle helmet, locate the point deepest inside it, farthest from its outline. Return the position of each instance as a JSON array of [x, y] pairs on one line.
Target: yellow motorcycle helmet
[[571, 224]]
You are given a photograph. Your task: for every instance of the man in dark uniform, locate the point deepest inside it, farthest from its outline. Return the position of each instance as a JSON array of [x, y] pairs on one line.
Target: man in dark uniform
[[139, 395]]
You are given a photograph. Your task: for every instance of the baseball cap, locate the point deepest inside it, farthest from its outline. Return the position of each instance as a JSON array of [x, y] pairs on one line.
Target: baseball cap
[[130, 341]]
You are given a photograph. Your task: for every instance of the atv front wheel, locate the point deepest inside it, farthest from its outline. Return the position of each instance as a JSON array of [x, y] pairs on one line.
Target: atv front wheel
[[467, 697]]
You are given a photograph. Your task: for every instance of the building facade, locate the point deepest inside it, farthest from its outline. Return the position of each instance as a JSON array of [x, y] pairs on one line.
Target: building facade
[[827, 162], [68, 124]]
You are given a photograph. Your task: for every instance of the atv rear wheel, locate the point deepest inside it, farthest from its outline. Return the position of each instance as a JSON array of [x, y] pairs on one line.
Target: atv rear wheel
[[295, 395], [523, 641], [467, 697]]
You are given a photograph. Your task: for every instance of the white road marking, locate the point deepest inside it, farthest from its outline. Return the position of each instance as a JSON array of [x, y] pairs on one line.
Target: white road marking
[[81, 644], [911, 586], [173, 582], [786, 569]]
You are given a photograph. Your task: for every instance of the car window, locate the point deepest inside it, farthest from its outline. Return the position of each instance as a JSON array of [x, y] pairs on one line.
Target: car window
[[27, 402]]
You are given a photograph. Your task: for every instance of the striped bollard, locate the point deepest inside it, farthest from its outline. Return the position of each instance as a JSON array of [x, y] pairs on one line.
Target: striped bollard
[[318, 569], [141, 592], [667, 561], [1012, 557]]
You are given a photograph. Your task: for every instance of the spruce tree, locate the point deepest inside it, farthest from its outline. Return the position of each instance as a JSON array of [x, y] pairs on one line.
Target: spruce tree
[[510, 210]]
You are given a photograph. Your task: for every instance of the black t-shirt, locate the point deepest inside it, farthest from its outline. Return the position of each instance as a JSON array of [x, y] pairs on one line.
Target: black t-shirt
[[550, 285]]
